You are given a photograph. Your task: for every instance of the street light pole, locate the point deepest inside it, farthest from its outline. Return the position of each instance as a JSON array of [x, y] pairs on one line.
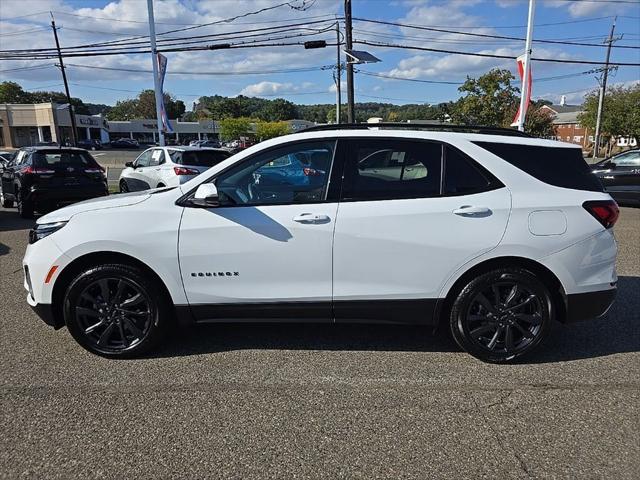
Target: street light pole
[[349, 45], [524, 93], [74, 132], [338, 74], [603, 91], [156, 78]]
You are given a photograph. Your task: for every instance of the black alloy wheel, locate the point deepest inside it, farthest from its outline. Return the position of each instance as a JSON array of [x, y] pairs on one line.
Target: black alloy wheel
[[25, 207], [114, 311], [502, 315]]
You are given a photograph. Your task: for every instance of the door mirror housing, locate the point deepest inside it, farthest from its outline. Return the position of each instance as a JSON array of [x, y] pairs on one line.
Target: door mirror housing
[[129, 164], [206, 196]]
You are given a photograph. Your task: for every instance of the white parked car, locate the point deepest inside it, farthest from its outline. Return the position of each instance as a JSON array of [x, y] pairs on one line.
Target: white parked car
[[489, 233], [168, 167]]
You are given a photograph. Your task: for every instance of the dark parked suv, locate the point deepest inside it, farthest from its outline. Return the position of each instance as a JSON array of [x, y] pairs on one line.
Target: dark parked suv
[[44, 178], [620, 176]]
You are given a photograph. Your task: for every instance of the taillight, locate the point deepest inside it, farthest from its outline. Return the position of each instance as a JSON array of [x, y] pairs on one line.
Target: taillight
[[37, 171], [95, 169], [185, 171], [605, 211], [311, 172]]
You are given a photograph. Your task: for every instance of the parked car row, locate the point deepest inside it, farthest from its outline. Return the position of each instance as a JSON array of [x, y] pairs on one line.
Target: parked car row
[[620, 176]]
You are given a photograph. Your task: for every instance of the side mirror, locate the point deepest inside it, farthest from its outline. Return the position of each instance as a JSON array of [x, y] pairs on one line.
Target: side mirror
[[610, 165], [129, 164], [206, 196]]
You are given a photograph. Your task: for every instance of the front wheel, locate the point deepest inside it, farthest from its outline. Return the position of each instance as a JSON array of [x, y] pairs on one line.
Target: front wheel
[[25, 206], [116, 311], [502, 315]]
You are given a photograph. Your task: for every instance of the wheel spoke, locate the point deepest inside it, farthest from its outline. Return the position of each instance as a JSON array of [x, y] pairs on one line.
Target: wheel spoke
[[135, 300], [130, 324], [525, 333], [531, 319], [132, 312], [512, 295], [88, 298], [527, 301], [484, 301], [119, 291], [478, 318], [492, 344], [496, 293], [87, 312], [122, 335], [94, 326], [106, 335], [104, 289], [478, 332], [508, 338]]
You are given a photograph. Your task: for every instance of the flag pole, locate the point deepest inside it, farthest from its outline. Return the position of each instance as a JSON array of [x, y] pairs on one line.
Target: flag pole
[[524, 94], [156, 78]]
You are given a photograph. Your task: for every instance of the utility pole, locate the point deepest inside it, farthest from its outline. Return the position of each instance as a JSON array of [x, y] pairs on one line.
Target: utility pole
[[338, 74], [524, 93], [603, 90], [74, 132], [156, 78], [349, 45]]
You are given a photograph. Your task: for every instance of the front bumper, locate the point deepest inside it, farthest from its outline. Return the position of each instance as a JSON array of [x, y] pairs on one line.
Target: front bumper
[[586, 306], [46, 314]]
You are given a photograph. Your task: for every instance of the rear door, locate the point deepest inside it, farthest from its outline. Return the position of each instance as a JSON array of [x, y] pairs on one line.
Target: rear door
[[623, 181], [411, 213]]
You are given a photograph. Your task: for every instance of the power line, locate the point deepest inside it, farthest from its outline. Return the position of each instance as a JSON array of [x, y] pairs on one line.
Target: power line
[[36, 67], [394, 99], [486, 35], [391, 77], [488, 55]]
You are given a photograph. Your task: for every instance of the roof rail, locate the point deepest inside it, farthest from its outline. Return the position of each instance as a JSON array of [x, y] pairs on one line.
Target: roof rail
[[419, 126]]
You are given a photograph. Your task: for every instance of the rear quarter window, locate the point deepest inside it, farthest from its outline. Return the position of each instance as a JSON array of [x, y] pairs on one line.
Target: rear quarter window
[[557, 166], [198, 158]]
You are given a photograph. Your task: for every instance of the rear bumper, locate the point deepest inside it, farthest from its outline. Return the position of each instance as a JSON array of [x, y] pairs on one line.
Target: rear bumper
[[585, 306], [67, 194]]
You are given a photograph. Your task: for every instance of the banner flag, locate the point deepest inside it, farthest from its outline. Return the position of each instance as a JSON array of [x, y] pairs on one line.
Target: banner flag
[[162, 70], [520, 61]]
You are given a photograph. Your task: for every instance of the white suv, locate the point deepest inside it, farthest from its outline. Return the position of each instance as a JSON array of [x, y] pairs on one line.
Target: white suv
[[168, 167], [492, 233]]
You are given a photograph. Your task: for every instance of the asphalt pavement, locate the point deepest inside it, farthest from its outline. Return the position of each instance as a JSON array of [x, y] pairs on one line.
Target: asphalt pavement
[[291, 401]]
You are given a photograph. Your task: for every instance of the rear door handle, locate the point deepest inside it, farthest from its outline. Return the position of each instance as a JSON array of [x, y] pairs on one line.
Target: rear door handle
[[311, 218], [469, 210]]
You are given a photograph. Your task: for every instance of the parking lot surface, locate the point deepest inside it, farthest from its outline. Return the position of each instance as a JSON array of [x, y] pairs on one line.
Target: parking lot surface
[[291, 401]]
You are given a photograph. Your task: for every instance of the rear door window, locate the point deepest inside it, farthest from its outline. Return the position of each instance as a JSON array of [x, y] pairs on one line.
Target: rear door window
[[387, 169], [464, 176], [557, 166]]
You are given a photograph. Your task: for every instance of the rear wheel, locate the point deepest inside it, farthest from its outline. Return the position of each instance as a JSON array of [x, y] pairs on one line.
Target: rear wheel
[[124, 187], [116, 311], [6, 203], [25, 206], [502, 315]]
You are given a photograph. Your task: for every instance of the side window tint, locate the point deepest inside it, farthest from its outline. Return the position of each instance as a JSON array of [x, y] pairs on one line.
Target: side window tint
[[631, 159], [392, 169], [296, 173], [144, 159], [462, 175]]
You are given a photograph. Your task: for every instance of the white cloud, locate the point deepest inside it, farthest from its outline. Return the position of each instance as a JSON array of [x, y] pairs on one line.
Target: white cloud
[[274, 88], [343, 87], [587, 8]]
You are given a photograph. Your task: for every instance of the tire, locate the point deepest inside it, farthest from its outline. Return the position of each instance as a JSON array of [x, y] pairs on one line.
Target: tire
[[25, 207], [502, 315], [124, 186], [6, 203], [116, 311]]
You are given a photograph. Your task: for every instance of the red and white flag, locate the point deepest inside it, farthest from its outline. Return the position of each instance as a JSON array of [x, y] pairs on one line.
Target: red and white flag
[[520, 61]]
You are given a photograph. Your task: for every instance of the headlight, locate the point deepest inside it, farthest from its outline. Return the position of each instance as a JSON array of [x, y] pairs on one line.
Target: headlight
[[44, 230]]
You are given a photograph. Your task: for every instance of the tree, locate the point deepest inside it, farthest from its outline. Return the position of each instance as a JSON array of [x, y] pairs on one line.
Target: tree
[[11, 92], [267, 130], [539, 121], [234, 128], [620, 115], [277, 110], [146, 105], [489, 101], [124, 110]]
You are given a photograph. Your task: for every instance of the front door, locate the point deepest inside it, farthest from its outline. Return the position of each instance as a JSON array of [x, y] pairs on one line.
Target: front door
[[623, 180], [139, 178], [403, 227], [265, 252]]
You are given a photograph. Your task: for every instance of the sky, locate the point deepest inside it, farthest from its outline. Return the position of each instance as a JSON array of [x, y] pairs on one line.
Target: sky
[[25, 24]]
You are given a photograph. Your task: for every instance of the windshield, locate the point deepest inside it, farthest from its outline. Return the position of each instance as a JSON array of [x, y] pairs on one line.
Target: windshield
[[198, 158]]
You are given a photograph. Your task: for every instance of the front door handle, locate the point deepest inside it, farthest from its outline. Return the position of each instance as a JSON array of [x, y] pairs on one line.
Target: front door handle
[[311, 218], [469, 211]]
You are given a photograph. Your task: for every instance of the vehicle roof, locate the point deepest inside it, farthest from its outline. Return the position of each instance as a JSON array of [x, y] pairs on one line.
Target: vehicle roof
[[52, 147], [186, 148], [425, 134]]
